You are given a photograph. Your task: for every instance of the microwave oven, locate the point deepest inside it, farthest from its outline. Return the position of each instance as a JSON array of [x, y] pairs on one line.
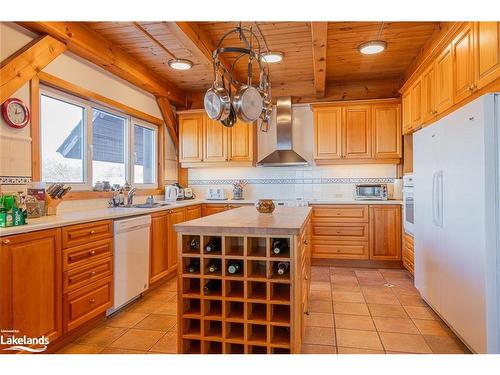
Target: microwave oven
[[371, 192]]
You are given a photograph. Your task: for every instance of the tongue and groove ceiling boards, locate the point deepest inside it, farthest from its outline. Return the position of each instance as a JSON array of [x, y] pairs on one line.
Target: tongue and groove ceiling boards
[[321, 60]]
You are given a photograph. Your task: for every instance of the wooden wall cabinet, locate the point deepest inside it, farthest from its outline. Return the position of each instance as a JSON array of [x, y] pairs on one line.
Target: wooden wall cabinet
[[357, 132], [205, 142], [191, 137], [328, 133], [31, 284], [487, 52], [386, 120], [467, 67], [463, 63]]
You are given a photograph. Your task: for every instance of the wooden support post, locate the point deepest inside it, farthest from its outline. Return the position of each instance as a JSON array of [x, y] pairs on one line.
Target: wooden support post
[[319, 31]]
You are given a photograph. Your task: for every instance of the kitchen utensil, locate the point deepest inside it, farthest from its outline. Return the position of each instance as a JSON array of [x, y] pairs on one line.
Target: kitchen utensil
[[171, 193], [248, 101], [217, 101], [231, 119]]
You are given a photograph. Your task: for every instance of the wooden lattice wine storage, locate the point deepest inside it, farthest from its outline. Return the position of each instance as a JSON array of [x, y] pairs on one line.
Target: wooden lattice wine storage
[[253, 311]]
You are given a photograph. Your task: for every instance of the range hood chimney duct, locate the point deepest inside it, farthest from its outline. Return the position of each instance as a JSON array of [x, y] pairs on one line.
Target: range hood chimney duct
[[284, 156]]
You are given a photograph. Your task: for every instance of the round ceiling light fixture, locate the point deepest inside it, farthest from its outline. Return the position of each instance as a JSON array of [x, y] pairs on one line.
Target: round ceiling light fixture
[[272, 57], [372, 47], [180, 64]]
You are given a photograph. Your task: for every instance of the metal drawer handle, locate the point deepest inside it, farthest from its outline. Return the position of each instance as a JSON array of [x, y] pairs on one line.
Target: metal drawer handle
[[92, 252], [306, 278], [92, 231], [6, 241], [92, 273], [306, 242], [306, 312], [92, 301]]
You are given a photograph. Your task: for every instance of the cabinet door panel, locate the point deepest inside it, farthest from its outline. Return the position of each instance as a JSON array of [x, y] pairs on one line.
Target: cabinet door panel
[[387, 131], [215, 141], [241, 142], [385, 232], [193, 212], [416, 104], [31, 284], [174, 217], [158, 259], [444, 80], [210, 209], [191, 134], [428, 94], [406, 105], [487, 52], [358, 132], [327, 133], [463, 64]]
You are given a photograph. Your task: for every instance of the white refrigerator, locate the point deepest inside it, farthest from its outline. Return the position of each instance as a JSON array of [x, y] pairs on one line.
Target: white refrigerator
[[457, 262]]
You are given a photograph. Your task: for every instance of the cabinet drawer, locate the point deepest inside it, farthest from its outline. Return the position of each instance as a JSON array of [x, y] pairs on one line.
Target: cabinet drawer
[[86, 274], [341, 232], [87, 302], [340, 250], [75, 235], [80, 255], [340, 213]]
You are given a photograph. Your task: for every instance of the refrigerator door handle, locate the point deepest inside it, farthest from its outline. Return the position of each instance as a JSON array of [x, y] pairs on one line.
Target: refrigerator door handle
[[440, 199], [434, 195]]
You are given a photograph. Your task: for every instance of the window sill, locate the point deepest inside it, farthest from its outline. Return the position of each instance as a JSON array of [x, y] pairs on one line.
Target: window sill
[[79, 195]]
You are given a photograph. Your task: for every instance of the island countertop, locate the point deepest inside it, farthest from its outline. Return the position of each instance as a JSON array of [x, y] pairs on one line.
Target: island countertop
[[247, 220]]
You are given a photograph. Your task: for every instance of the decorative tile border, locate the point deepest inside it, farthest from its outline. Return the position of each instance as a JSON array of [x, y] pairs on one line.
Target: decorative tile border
[[14, 180], [281, 181]]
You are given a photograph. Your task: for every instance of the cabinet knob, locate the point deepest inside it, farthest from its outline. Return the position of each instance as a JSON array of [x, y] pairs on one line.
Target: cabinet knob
[[92, 252], [306, 278], [306, 312], [6, 242], [92, 301], [92, 273], [306, 242], [92, 231]]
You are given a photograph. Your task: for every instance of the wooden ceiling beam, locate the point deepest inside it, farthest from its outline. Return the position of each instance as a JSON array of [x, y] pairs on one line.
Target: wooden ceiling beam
[[91, 46], [319, 31], [25, 64], [198, 41]]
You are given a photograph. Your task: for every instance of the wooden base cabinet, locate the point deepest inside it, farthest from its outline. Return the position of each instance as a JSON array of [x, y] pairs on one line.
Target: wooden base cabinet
[[31, 284], [215, 208], [356, 232]]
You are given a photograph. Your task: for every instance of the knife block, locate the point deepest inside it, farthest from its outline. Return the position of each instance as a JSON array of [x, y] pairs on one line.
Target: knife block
[[51, 205]]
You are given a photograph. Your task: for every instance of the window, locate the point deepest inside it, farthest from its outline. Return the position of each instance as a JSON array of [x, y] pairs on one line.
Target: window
[[82, 143], [62, 140]]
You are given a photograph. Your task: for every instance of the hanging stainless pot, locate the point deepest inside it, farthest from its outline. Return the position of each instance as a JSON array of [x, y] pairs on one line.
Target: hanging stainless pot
[[217, 102], [248, 103]]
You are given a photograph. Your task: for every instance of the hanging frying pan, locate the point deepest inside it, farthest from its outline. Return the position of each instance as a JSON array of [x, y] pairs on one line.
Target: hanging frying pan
[[217, 102]]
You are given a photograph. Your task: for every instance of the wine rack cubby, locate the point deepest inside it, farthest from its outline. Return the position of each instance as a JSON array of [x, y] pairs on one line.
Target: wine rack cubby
[[250, 311]]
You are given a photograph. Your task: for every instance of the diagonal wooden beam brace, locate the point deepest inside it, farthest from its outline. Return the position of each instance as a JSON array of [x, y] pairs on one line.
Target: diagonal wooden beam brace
[[169, 118], [25, 64], [91, 46], [319, 31]]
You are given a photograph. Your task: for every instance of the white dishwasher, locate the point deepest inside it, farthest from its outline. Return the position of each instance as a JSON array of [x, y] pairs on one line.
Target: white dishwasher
[[131, 259]]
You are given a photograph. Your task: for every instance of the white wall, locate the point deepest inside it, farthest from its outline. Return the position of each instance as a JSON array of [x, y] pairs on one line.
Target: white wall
[[311, 182], [15, 144]]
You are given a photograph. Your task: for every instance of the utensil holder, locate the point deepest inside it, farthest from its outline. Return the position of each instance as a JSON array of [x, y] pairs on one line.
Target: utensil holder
[[51, 205]]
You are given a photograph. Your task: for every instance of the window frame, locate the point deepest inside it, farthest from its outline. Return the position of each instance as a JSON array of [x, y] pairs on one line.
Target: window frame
[[130, 122]]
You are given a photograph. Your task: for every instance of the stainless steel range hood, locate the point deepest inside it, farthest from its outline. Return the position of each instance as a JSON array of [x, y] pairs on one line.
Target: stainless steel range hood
[[284, 156]]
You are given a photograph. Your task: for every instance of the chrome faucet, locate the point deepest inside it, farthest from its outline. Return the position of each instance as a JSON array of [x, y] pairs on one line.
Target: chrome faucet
[[130, 196], [150, 200]]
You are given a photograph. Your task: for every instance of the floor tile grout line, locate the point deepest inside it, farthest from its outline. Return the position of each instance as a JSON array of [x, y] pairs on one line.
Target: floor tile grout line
[[333, 311]]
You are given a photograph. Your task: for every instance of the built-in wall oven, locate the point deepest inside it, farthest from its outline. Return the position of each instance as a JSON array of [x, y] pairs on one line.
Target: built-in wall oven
[[408, 204]]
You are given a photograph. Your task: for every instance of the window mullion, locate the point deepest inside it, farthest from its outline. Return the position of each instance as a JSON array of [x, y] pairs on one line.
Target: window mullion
[[90, 148]]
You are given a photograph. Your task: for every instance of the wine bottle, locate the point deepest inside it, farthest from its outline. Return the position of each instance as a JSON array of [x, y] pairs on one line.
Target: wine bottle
[[234, 267], [194, 244], [280, 246], [193, 266], [214, 266], [213, 245], [282, 267], [212, 286]]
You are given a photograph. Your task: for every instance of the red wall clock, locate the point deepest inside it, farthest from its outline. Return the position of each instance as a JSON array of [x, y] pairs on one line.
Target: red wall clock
[[15, 113]]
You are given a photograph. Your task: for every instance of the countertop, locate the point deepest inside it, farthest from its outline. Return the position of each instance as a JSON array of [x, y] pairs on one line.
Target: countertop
[[247, 220], [77, 217]]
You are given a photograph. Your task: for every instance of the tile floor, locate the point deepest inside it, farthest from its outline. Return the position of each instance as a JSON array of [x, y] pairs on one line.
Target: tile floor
[[366, 311]]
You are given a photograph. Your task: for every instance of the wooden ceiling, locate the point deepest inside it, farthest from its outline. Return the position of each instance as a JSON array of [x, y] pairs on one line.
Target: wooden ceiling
[[349, 74]]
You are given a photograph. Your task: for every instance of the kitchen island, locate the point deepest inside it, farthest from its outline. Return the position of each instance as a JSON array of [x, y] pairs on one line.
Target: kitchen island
[[243, 280]]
